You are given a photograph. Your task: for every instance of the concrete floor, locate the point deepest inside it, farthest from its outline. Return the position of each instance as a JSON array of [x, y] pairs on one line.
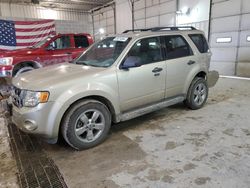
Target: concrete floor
[[174, 147]]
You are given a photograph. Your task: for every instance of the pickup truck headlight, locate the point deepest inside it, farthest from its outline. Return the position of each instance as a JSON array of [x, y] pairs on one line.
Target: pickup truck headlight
[[6, 61], [33, 98]]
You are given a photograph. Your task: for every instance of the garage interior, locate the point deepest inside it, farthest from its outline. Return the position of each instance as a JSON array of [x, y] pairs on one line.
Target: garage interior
[[172, 147]]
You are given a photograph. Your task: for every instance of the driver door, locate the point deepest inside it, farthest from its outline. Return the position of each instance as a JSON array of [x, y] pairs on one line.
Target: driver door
[[145, 82], [59, 50]]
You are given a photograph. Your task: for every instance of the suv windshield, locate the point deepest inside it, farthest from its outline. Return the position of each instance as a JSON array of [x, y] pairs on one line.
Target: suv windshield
[[104, 53]]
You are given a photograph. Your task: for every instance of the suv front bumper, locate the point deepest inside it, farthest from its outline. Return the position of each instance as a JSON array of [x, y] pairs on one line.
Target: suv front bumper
[[36, 120]]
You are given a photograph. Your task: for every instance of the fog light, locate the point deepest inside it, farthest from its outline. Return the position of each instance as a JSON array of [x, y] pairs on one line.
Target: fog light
[[30, 125]]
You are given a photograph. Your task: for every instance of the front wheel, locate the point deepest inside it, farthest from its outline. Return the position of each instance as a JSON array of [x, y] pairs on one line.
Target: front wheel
[[86, 124], [197, 94]]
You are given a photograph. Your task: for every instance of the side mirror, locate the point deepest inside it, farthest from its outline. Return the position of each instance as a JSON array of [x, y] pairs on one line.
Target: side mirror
[[50, 47], [131, 61]]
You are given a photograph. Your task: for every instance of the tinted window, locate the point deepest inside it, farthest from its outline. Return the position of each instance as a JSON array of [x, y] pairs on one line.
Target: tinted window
[[148, 50], [177, 47], [81, 41], [200, 42], [62, 42]]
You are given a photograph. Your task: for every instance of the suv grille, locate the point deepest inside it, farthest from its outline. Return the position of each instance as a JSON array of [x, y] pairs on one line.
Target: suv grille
[[17, 96]]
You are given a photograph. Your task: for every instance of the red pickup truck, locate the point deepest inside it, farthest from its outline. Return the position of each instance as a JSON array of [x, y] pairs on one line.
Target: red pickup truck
[[54, 49]]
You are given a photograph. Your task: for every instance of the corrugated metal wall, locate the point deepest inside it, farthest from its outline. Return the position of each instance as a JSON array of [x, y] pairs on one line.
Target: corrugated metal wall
[[104, 18], [66, 21], [230, 37], [153, 13]]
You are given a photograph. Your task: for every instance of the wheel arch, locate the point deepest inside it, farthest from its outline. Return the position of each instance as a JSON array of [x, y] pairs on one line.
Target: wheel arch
[[22, 64], [98, 98], [192, 75]]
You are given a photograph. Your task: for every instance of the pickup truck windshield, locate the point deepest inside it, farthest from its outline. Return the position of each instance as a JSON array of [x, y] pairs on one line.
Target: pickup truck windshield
[[39, 44], [104, 53]]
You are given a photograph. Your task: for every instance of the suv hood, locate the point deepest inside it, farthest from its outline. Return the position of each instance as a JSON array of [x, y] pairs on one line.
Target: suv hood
[[46, 78]]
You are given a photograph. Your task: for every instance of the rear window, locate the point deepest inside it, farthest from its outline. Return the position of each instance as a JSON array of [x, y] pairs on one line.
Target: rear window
[[81, 41], [200, 42], [177, 47]]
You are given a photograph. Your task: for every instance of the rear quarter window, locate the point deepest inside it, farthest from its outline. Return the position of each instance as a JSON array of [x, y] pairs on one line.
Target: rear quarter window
[[200, 42], [81, 41]]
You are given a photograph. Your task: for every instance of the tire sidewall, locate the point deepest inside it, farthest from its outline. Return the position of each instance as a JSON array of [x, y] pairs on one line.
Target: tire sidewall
[[68, 127], [190, 99]]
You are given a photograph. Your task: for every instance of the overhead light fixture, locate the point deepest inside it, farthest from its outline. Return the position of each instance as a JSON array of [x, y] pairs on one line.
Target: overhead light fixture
[[248, 38], [184, 10], [101, 31]]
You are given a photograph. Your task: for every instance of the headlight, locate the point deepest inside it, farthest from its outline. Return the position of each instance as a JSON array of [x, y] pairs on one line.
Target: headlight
[[6, 61], [32, 98]]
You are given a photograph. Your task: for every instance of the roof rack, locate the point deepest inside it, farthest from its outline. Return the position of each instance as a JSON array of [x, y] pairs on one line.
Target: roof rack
[[162, 29]]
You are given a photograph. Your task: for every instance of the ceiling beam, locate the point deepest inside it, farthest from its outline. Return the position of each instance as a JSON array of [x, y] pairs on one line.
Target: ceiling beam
[[81, 2]]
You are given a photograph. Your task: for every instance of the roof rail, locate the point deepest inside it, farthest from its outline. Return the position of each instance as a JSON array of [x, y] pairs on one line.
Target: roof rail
[[173, 28], [162, 28], [136, 30]]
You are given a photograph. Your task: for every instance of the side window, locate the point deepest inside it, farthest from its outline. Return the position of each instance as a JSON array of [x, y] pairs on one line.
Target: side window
[[81, 41], [200, 42], [177, 47], [148, 50], [62, 42]]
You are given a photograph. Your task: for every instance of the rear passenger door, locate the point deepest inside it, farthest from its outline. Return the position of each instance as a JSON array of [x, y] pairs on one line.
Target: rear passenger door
[[81, 43], [180, 61]]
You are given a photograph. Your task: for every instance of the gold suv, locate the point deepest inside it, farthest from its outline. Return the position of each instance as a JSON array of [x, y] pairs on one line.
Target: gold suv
[[118, 78]]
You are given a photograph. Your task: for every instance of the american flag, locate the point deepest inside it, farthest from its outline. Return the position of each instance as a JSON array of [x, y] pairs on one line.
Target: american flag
[[21, 34]]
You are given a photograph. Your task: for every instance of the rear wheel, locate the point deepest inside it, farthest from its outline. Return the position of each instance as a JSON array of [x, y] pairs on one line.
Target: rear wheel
[[197, 94], [86, 124]]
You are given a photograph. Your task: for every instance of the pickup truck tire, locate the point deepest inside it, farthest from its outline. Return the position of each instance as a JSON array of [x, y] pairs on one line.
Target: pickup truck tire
[[86, 124], [197, 94], [22, 70]]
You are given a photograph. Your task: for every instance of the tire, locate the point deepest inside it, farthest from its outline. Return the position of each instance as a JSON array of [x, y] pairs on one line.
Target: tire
[[86, 124], [22, 70], [197, 94]]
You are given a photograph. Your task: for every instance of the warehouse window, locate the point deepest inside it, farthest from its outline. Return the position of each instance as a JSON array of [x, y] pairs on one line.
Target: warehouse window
[[148, 50], [224, 40], [81, 41], [177, 47], [62, 42], [200, 42]]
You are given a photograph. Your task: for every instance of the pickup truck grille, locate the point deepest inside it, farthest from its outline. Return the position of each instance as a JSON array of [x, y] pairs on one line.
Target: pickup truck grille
[[17, 96]]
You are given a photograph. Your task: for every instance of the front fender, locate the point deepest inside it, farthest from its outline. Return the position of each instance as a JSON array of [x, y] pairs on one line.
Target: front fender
[[74, 94]]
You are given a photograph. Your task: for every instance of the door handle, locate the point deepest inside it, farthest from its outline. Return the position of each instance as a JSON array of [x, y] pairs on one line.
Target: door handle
[[191, 62], [68, 53], [157, 69]]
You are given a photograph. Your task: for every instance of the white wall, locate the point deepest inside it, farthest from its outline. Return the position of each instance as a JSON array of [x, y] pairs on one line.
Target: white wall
[[104, 18], [154, 13], [231, 58], [123, 15], [66, 21]]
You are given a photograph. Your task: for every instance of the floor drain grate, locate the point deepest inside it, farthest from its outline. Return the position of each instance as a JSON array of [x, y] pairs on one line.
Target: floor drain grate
[[35, 168]]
